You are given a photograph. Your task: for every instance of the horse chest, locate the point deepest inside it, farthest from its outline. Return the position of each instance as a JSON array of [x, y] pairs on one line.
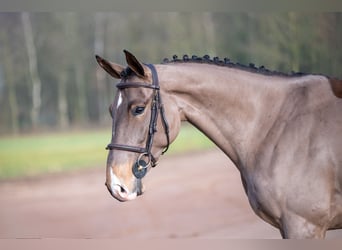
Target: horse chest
[[262, 197]]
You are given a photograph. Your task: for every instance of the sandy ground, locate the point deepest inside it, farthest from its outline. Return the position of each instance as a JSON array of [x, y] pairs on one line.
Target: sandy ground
[[199, 195]]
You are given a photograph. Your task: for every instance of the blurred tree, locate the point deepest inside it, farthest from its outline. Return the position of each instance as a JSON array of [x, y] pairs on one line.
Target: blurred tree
[[62, 46], [32, 63], [10, 84], [99, 46], [329, 41], [77, 46]]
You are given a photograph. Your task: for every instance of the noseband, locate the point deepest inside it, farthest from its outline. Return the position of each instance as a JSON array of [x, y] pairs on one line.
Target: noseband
[[140, 167]]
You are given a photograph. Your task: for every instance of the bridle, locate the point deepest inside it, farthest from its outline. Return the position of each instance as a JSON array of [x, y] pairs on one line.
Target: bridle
[[140, 167]]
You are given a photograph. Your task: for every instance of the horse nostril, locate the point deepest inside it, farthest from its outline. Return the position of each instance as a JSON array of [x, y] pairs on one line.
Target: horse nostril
[[116, 189], [122, 190]]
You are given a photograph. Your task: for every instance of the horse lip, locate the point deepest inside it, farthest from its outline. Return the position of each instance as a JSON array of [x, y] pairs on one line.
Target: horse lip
[[115, 193]]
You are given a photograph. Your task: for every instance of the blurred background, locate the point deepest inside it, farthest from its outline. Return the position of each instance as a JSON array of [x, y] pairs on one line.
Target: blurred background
[[50, 82], [54, 117], [49, 78]]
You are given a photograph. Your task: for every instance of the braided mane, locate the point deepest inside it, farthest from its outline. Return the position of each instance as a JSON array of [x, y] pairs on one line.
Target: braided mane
[[226, 62]]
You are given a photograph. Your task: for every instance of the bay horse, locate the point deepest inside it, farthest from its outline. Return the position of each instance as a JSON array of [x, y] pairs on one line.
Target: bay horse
[[282, 131]]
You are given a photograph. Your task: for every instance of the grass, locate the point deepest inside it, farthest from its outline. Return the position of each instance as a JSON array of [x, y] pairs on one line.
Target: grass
[[39, 154]]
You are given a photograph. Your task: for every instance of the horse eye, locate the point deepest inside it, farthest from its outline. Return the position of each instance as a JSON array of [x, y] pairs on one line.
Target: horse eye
[[138, 110]]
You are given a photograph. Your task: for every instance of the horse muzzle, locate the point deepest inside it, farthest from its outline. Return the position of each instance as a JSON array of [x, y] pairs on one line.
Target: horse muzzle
[[120, 191]]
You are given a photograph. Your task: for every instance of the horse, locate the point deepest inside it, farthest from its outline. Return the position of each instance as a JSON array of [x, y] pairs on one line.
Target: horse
[[283, 132]]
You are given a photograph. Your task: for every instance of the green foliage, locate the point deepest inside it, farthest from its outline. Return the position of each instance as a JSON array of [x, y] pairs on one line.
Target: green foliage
[[189, 139], [37, 154], [31, 155]]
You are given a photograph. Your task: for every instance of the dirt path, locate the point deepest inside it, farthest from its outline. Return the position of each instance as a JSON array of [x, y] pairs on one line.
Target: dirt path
[[198, 195]]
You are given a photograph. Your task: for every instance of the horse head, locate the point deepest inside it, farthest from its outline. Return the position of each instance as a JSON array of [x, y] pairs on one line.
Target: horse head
[[141, 126]]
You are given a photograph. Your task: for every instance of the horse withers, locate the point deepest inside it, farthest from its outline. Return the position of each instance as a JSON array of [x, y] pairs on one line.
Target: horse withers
[[283, 133]]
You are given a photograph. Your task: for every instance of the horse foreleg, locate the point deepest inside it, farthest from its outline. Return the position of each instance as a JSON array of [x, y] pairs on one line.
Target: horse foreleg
[[296, 227]]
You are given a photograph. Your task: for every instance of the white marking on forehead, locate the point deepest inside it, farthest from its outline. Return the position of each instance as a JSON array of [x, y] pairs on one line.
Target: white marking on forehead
[[119, 101]]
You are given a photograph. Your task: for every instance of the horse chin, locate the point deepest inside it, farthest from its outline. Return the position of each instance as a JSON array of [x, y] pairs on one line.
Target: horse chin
[[123, 197], [131, 197]]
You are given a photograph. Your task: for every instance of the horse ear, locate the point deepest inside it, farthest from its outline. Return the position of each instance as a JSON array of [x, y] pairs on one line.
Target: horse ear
[[111, 68], [134, 64]]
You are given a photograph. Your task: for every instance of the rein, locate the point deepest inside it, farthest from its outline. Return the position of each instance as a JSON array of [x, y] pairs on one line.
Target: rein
[[140, 167]]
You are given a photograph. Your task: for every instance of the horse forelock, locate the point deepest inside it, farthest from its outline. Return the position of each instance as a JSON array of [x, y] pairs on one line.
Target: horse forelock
[[126, 73]]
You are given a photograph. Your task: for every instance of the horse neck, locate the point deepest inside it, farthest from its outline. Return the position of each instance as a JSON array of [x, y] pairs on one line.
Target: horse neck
[[234, 108]]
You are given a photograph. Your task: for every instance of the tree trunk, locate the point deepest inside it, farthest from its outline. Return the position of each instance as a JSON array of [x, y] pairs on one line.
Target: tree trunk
[[82, 115], [100, 74], [32, 60], [9, 80], [209, 31], [82, 94], [62, 101]]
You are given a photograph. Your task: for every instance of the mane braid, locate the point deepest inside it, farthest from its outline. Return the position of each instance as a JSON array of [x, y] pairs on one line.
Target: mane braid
[[226, 62]]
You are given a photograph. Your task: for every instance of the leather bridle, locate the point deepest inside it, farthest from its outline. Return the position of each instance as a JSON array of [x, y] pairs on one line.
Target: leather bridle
[[140, 167]]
